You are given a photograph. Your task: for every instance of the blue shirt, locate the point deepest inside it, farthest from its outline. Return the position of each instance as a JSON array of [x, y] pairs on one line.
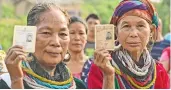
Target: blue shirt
[[158, 47]]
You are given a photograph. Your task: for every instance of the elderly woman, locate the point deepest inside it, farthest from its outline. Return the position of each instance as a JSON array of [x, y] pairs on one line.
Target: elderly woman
[[44, 68], [132, 66], [78, 39]]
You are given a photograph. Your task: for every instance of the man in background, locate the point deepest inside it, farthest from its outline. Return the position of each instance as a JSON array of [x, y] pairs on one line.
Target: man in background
[[92, 20], [160, 44]]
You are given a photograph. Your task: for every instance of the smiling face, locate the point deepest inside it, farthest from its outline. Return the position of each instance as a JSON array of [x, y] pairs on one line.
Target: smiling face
[[133, 33], [52, 38], [78, 37]]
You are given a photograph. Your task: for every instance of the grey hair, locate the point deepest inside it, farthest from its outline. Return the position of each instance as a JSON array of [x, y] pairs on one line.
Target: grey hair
[[38, 9]]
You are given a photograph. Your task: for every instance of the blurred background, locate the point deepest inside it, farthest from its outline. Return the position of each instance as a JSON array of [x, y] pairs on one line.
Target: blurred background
[[14, 12]]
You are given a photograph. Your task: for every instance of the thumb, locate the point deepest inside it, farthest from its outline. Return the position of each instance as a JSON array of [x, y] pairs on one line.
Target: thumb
[[19, 59]]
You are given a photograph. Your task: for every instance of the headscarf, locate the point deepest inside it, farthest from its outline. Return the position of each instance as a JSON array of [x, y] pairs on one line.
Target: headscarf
[[141, 5]]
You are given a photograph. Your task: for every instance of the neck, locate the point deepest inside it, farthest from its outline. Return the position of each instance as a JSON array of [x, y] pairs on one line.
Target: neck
[[77, 56], [49, 69], [90, 37], [159, 38], [136, 56]]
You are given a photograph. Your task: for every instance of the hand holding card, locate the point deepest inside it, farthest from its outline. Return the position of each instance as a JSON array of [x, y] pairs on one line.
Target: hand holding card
[[25, 36]]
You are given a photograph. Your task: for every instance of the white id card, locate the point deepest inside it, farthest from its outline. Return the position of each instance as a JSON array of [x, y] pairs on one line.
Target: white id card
[[25, 36]]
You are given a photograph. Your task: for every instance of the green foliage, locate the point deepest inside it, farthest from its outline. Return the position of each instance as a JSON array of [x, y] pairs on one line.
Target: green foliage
[[8, 10], [103, 8], [7, 23], [163, 10]]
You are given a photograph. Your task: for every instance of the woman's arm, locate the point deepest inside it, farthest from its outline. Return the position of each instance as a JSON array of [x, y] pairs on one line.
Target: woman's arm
[[13, 60], [108, 81], [17, 83], [102, 60]]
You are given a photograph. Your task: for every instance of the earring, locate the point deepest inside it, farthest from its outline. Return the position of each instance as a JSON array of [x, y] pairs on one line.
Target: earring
[[150, 43], [67, 57], [29, 57]]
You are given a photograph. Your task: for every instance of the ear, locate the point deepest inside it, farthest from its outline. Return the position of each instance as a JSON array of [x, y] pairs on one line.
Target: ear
[[153, 32]]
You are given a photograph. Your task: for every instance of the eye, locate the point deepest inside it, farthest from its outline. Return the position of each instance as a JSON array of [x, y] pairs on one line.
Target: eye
[[71, 32], [63, 34], [46, 33], [141, 25], [89, 22], [125, 26], [81, 33]]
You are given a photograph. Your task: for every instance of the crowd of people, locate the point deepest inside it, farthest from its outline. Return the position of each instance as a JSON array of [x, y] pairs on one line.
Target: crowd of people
[[65, 56]]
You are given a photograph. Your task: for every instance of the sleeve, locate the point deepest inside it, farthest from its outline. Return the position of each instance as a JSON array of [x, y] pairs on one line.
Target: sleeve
[[79, 84], [164, 56], [162, 78], [3, 84], [95, 78]]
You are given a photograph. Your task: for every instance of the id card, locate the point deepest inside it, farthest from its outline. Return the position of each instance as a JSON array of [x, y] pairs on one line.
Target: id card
[[25, 36], [104, 36]]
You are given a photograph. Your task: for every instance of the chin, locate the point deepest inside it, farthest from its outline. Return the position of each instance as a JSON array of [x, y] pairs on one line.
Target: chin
[[52, 61], [78, 49], [134, 49]]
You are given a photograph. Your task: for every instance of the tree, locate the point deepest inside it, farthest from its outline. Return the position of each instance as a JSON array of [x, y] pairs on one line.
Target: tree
[[7, 23], [103, 8], [163, 10]]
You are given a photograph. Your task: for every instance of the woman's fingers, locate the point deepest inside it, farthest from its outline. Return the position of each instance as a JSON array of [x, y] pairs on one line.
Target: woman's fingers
[[14, 55], [15, 49], [19, 59], [100, 56]]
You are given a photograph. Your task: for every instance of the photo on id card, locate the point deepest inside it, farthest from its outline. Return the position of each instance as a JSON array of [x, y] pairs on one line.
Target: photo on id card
[[25, 36], [104, 36]]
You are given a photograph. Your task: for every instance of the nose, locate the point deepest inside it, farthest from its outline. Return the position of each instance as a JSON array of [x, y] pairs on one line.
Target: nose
[[55, 41], [133, 33], [77, 37]]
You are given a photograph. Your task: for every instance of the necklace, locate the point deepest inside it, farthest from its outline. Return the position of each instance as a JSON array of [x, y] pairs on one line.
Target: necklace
[[135, 84]]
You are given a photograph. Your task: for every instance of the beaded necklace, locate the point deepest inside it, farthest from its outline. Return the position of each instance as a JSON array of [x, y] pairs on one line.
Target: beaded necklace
[[37, 80]]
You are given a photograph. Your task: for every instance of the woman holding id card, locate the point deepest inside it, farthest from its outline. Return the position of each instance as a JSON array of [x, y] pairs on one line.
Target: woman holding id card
[[132, 66], [44, 68]]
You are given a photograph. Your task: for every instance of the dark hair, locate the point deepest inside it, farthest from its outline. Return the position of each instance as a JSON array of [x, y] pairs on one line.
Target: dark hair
[[34, 15], [78, 19], [94, 16]]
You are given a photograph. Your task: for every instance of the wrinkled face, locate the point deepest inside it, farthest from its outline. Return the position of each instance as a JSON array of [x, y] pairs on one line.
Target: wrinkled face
[[52, 38], [78, 37], [91, 22], [133, 33]]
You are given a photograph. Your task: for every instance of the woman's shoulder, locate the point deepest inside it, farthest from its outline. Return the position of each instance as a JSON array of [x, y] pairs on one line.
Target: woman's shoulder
[[162, 78], [79, 84]]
